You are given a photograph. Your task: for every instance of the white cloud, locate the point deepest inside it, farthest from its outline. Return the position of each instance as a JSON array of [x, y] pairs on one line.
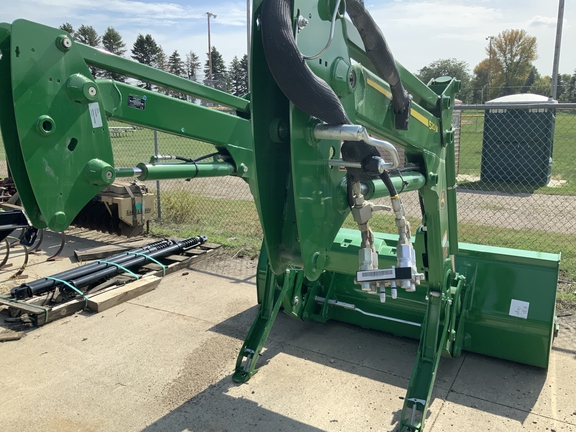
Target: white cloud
[[543, 21]]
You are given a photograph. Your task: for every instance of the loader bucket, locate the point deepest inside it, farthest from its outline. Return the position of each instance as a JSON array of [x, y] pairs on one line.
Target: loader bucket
[[507, 309]]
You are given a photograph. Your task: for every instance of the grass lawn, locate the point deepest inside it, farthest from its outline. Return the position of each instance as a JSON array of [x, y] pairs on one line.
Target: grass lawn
[[133, 147]]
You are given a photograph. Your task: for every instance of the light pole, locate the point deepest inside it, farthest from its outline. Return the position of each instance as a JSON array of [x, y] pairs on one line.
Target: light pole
[[490, 38], [248, 19], [210, 48], [554, 89]]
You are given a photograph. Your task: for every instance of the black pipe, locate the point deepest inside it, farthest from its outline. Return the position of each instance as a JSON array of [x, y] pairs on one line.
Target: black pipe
[[138, 261], [41, 286]]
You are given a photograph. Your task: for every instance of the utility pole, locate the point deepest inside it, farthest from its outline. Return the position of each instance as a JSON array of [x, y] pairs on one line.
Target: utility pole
[[490, 38], [248, 20], [554, 89], [210, 48]]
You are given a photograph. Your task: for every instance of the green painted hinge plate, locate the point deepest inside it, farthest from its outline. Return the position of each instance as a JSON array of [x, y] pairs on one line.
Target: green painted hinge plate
[[60, 122]]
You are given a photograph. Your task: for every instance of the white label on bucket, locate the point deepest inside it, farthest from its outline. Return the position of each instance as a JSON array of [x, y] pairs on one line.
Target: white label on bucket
[[95, 116], [519, 308]]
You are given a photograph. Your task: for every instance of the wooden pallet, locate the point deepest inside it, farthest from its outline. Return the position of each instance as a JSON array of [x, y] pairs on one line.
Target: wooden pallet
[[109, 294]]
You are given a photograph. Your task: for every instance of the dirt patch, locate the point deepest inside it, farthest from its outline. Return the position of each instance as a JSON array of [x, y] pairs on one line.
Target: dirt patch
[[219, 351], [566, 301]]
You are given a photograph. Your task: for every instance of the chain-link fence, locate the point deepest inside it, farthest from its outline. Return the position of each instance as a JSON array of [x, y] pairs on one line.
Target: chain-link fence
[[516, 182], [517, 177], [221, 208]]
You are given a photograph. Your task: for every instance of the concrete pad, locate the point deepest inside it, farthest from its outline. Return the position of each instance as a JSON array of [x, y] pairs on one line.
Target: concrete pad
[[465, 413], [163, 362]]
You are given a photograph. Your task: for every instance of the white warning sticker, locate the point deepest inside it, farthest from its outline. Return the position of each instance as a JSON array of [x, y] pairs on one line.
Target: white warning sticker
[[95, 115], [519, 308]]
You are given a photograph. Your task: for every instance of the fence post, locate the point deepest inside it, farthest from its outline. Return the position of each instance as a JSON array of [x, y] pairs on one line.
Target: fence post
[[158, 200]]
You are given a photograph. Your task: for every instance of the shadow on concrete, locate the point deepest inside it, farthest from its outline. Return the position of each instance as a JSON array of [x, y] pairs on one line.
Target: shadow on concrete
[[390, 359], [215, 410]]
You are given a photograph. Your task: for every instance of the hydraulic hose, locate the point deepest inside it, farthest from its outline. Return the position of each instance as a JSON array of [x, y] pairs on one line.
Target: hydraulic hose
[[381, 57], [289, 69]]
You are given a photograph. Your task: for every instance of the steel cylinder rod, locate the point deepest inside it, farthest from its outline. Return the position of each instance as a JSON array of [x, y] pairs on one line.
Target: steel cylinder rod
[[184, 170], [408, 181], [41, 286]]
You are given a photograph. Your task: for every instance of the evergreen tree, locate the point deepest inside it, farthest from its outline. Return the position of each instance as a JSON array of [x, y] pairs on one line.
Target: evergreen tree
[[112, 42], [176, 67], [161, 61], [238, 77], [192, 65], [219, 74], [145, 50], [67, 27], [244, 65], [88, 36]]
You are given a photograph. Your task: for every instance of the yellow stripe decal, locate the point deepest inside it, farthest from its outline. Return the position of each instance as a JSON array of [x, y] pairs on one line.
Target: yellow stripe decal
[[419, 117], [428, 123], [422, 119], [379, 88]]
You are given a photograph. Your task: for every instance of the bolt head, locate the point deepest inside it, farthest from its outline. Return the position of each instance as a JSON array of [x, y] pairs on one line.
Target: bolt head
[[92, 91]]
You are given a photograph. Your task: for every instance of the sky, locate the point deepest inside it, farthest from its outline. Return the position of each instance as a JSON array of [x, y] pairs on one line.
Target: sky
[[418, 31]]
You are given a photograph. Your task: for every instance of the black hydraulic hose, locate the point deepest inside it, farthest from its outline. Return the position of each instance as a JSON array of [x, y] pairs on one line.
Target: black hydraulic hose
[[379, 53], [289, 69], [385, 177], [41, 286], [138, 261]]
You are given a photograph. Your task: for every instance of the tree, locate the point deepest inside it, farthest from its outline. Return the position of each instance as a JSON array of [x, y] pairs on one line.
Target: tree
[[565, 91], [113, 43], [513, 52], [480, 82], [161, 61], [239, 76], [542, 86], [67, 27], [176, 67], [572, 88], [452, 68], [145, 50], [192, 65], [219, 74], [532, 77], [87, 35]]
